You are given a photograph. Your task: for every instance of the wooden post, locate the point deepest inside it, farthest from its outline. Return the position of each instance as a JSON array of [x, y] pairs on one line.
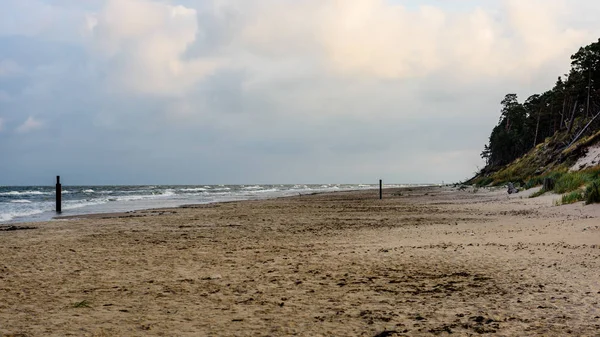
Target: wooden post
[[380, 189], [58, 195]]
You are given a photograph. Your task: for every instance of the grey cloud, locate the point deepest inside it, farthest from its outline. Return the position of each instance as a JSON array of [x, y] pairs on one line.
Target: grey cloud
[[264, 115]]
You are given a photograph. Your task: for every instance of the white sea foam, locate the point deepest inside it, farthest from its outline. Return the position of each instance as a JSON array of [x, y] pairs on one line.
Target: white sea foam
[[256, 187], [198, 189], [6, 216], [130, 198], [135, 197], [12, 193], [22, 210], [264, 191], [26, 205], [81, 203]]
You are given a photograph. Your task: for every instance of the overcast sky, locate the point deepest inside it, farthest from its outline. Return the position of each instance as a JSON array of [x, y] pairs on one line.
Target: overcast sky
[[269, 91]]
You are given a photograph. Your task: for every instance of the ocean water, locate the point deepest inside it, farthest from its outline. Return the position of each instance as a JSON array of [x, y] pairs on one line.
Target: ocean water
[[37, 203]]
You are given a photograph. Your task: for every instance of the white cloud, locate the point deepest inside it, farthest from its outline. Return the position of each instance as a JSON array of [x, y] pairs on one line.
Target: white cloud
[[541, 33], [30, 124], [382, 39], [367, 37], [338, 82], [146, 42]]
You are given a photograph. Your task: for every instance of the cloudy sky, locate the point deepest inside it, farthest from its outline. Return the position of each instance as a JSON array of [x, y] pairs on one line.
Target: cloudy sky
[[269, 91]]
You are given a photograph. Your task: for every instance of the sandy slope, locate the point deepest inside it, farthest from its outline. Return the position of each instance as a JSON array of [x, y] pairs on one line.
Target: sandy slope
[[429, 261]]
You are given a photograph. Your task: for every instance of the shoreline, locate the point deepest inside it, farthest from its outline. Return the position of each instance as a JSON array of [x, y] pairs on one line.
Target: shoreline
[[432, 260], [159, 210], [35, 203]]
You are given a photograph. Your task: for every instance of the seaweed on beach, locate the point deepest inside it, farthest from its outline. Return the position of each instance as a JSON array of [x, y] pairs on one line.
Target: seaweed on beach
[[15, 228]]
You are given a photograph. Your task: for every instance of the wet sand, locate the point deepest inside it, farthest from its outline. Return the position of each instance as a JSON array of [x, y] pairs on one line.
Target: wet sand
[[424, 261]]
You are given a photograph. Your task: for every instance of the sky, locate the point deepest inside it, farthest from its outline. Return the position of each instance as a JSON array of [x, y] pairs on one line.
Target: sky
[[269, 91]]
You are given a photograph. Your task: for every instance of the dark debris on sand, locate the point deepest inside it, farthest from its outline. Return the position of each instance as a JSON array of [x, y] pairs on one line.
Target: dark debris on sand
[[15, 228]]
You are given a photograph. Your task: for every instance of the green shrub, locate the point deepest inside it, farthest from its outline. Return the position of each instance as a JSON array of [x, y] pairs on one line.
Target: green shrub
[[569, 182], [538, 193], [592, 193], [572, 197], [554, 175], [484, 181], [594, 174], [498, 183], [533, 182], [519, 183]]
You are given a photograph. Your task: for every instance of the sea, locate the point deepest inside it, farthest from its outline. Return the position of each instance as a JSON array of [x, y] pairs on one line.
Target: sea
[[37, 203]]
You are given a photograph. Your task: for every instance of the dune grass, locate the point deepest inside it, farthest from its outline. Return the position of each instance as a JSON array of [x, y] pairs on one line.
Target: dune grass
[[572, 198], [592, 192], [574, 186], [570, 182]]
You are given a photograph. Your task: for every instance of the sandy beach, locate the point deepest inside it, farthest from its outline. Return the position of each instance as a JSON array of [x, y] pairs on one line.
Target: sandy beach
[[423, 261]]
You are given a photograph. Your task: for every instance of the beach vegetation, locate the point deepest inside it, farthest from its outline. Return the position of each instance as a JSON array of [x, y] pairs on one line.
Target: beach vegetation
[[592, 192], [533, 182], [547, 132], [539, 180], [572, 197], [570, 182], [484, 181], [538, 193], [82, 304]]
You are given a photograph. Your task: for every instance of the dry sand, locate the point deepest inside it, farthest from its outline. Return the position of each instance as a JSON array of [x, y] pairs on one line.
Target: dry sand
[[432, 261]]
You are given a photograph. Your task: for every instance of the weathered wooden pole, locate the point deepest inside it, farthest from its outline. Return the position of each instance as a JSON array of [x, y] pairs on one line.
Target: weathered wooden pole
[[380, 189], [58, 195]]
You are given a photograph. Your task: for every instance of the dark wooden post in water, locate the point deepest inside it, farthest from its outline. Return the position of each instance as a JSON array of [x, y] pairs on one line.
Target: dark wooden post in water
[[380, 189], [58, 195]]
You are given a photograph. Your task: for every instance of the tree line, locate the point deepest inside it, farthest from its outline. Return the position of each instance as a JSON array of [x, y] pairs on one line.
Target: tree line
[[571, 107]]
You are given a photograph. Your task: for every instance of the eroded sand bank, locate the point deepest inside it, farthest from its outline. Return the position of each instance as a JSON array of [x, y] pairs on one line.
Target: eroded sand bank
[[420, 262]]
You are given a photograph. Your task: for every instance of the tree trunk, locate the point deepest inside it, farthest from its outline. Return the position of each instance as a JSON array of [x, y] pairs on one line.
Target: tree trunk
[[562, 114], [537, 128], [553, 120], [587, 108], [583, 130], [572, 119]]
